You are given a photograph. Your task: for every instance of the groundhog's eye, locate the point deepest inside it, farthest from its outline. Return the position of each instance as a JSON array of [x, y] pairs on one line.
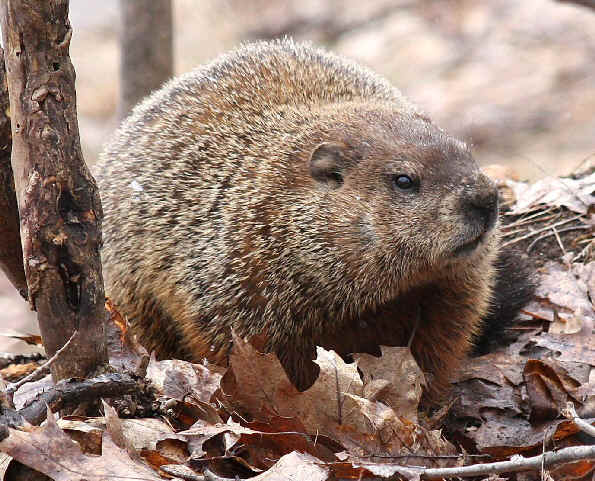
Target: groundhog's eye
[[403, 182]]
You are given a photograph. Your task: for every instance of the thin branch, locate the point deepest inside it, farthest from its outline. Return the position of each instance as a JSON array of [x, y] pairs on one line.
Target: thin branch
[[539, 231], [211, 476], [530, 219], [516, 464], [40, 371], [583, 425], [182, 471], [559, 240], [548, 234], [69, 393]]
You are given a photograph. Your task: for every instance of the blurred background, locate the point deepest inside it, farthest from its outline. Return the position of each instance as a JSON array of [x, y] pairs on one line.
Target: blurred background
[[516, 80]]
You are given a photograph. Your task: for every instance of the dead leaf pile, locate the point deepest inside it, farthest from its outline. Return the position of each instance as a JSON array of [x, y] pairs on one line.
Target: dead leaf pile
[[360, 419], [509, 402], [250, 421]]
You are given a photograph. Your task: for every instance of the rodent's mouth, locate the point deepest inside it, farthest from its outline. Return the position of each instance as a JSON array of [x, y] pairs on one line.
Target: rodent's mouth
[[468, 247]]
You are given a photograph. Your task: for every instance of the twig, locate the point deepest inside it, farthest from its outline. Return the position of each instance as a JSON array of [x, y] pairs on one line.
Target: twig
[[548, 234], [71, 392], [511, 233], [585, 252], [529, 218], [211, 476], [583, 425], [429, 456], [559, 240], [539, 231], [182, 472], [40, 371], [516, 463]]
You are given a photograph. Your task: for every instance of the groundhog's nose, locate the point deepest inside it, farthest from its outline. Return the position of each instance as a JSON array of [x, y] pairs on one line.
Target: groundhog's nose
[[482, 204]]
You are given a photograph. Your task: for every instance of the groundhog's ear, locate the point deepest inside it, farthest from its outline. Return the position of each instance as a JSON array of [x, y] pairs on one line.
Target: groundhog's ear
[[329, 163]]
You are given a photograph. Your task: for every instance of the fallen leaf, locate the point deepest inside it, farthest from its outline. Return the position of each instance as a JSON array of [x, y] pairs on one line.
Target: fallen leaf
[[30, 390], [50, 451], [5, 460], [549, 388], [183, 380], [295, 466], [86, 435], [14, 372], [180, 471], [282, 436], [258, 384], [30, 339], [568, 292], [578, 347], [334, 406], [202, 431], [403, 380], [156, 459], [142, 433], [115, 428], [183, 414], [576, 195]]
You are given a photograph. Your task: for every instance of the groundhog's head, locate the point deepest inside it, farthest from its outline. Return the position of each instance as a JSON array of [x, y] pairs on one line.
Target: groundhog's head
[[399, 193]]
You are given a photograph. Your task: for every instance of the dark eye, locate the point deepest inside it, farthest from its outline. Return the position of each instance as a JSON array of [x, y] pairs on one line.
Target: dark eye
[[403, 182]]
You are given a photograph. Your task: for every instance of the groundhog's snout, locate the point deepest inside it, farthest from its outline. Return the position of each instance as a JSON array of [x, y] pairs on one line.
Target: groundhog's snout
[[481, 204]]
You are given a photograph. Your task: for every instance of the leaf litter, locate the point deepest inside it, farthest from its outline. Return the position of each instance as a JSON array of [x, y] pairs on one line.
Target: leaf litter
[[361, 419]]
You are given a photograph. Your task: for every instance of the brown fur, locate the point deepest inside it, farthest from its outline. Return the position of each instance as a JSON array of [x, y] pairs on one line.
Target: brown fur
[[257, 193]]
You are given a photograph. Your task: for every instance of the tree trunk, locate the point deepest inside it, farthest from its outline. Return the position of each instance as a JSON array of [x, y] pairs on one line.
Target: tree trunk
[[11, 254], [146, 46], [59, 207]]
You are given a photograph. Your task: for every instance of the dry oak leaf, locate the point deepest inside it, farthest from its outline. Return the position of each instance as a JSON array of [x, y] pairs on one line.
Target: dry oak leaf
[[115, 428], [202, 431], [497, 390], [87, 435], [577, 347], [396, 435], [282, 436], [574, 194], [568, 291], [143, 433], [262, 443], [258, 385], [334, 406], [182, 380], [14, 372], [50, 451], [549, 388], [395, 379], [295, 466], [30, 339]]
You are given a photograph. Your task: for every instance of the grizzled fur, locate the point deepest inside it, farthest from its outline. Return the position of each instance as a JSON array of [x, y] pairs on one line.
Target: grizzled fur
[[259, 193]]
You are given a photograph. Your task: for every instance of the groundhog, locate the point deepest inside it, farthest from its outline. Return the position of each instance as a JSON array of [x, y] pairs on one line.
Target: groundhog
[[285, 192]]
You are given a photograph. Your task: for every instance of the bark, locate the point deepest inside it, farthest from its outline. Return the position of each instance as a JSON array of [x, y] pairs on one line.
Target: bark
[[70, 393], [11, 254], [146, 45], [59, 207]]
